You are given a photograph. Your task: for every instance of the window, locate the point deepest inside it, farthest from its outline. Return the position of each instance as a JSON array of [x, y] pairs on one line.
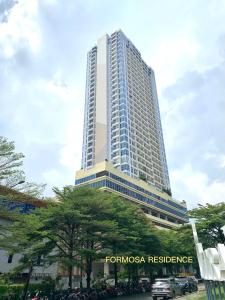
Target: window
[[124, 152], [123, 131], [10, 258], [124, 138], [125, 167], [124, 145]]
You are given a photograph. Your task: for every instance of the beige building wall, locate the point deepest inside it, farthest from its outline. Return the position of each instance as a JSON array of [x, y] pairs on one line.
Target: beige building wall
[[101, 100]]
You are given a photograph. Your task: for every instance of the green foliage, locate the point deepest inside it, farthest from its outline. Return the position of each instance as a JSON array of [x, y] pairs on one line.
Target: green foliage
[[167, 191], [143, 177], [76, 225], [10, 173], [9, 160], [3, 289], [85, 225], [179, 242], [199, 296], [12, 290], [209, 220], [16, 290], [25, 236], [47, 286]]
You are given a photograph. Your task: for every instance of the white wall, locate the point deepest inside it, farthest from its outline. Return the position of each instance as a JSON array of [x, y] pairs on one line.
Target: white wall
[[101, 100]]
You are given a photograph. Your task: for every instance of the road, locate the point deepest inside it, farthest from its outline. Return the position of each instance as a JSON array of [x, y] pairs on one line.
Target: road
[[147, 296]]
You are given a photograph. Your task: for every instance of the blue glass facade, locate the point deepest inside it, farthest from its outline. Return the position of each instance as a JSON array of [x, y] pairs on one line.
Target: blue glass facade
[[127, 188], [119, 140]]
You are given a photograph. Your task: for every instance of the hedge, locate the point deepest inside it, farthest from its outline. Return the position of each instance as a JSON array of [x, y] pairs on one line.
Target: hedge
[[16, 289], [13, 289]]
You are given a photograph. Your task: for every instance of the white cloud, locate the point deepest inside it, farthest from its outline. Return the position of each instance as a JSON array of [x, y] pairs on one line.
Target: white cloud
[[209, 155], [51, 2], [70, 155], [195, 186], [21, 29], [57, 178], [172, 55], [61, 92], [223, 161]]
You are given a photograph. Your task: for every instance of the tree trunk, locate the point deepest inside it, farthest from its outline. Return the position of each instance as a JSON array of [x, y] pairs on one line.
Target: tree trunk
[[89, 271], [152, 277], [25, 290], [81, 276], [129, 276], [115, 273], [71, 250], [70, 271], [134, 274]]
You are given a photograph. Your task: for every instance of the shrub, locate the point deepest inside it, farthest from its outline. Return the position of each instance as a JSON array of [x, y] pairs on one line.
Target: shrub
[[13, 290]]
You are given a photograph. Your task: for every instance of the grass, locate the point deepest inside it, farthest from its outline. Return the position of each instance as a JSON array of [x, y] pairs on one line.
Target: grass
[[200, 296]]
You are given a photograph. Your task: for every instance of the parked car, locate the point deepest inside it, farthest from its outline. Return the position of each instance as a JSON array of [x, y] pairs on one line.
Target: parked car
[[184, 285], [167, 288], [193, 282], [187, 284], [195, 279]]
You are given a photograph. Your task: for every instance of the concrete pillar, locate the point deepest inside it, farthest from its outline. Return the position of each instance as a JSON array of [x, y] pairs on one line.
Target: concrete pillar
[[106, 269]]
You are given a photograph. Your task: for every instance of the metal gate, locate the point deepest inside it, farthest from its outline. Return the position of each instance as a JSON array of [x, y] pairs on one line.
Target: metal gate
[[215, 290]]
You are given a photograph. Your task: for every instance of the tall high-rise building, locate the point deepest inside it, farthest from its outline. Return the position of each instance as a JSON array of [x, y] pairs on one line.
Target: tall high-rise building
[[122, 120], [123, 148]]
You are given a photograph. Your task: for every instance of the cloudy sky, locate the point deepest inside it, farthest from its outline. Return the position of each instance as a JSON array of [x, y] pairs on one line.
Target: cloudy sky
[[43, 47]]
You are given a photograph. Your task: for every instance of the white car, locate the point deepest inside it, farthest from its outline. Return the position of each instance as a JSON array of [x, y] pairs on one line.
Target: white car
[[165, 288]]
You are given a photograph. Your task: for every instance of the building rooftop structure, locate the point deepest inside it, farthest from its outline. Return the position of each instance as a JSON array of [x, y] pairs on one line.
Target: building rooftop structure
[[12, 199]]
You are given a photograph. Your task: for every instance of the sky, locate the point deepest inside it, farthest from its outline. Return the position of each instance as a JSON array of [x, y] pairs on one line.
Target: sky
[[43, 51]]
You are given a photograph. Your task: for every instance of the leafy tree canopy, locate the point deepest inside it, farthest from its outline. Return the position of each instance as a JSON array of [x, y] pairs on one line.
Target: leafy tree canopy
[[10, 173], [209, 219]]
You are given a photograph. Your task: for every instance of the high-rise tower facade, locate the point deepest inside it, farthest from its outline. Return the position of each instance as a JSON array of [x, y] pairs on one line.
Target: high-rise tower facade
[[122, 120], [123, 149]]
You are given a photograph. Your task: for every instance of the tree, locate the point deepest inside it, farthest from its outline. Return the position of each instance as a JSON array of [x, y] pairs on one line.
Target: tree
[[86, 224], [135, 235], [9, 160], [179, 242], [209, 220], [25, 236], [62, 221], [10, 173], [97, 229], [76, 224], [19, 183]]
